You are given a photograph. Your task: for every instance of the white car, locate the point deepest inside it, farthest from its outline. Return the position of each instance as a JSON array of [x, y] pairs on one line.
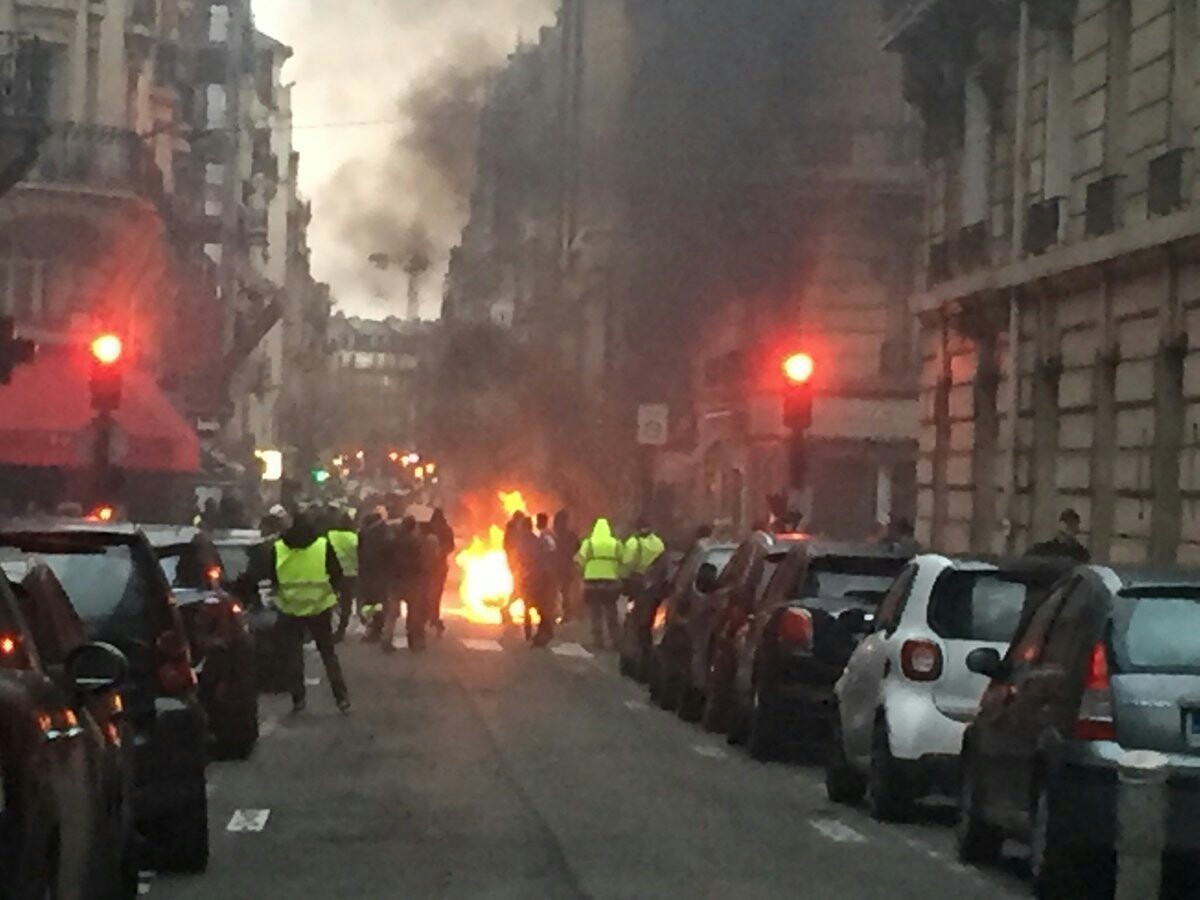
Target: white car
[[906, 696]]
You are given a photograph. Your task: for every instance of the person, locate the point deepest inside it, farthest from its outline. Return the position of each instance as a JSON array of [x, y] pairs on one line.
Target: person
[[513, 541], [405, 587], [523, 562], [643, 562], [1065, 542], [306, 571], [600, 558], [902, 536], [375, 570], [543, 581], [441, 529], [567, 543], [344, 539]]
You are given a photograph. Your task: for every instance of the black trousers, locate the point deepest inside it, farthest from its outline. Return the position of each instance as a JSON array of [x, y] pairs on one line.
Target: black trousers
[[320, 626], [346, 597]]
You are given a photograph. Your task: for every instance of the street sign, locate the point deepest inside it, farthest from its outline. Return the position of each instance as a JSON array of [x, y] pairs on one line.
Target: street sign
[[652, 424]]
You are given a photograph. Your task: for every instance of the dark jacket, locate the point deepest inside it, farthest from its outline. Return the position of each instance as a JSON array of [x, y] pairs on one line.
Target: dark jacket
[[1063, 547], [375, 553], [406, 557]]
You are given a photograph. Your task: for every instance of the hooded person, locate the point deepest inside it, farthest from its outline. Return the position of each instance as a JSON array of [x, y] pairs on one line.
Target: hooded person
[[306, 571], [440, 528], [374, 570], [601, 558]]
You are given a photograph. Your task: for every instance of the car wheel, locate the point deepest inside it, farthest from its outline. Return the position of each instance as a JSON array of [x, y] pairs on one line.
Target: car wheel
[[843, 783], [763, 739], [978, 841], [185, 842], [1061, 871], [889, 795]]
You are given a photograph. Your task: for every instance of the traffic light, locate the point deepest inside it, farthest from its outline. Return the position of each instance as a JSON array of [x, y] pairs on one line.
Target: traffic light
[[14, 351], [107, 372], [798, 370], [320, 476]]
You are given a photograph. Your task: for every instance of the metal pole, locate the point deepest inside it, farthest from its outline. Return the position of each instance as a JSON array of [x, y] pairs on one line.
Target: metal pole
[[101, 457], [1141, 824]]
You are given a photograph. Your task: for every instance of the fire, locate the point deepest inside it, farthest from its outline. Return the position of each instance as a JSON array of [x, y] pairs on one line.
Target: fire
[[485, 580]]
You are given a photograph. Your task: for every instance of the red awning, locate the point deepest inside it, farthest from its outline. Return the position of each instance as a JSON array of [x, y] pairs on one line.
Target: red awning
[[46, 417]]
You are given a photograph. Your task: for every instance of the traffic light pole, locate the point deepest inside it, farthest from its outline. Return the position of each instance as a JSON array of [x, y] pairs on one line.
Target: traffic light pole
[[102, 458]]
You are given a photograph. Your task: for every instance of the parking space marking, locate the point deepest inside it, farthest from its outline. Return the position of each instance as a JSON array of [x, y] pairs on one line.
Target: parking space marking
[[837, 831], [708, 751], [572, 650], [488, 646], [244, 820]]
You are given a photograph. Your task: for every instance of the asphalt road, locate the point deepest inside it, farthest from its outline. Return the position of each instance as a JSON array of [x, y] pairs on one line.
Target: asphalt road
[[484, 768]]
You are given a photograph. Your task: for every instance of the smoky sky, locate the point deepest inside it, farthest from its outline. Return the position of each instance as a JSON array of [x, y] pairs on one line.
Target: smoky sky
[[396, 189]]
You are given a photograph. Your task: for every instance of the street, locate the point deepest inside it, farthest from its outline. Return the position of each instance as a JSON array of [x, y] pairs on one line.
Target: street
[[483, 768]]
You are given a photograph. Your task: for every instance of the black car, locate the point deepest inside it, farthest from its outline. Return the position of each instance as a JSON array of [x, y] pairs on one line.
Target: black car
[[113, 579], [246, 570], [1109, 662], [218, 629], [64, 825], [637, 628], [694, 582], [781, 657]]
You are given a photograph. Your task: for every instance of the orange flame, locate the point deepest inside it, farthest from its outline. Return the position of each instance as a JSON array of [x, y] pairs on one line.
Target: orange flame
[[485, 581]]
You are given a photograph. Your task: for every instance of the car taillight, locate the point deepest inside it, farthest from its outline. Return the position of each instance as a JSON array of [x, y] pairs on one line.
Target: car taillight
[[921, 660], [1095, 719], [796, 629], [175, 675]]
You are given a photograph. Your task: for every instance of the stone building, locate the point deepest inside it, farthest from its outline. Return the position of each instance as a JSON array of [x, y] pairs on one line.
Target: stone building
[[1060, 271]]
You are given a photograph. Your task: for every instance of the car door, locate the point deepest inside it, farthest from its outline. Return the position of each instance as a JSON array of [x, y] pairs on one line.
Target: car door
[[708, 609], [859, 687], [1005, 724]]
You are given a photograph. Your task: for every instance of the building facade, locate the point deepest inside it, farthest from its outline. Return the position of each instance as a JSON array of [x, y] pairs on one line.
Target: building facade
[[1060, 276]]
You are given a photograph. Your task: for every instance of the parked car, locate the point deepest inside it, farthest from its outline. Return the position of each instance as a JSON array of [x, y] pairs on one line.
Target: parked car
[[1109, 662], [697, 577], [246, 560], [114, 582], [637, 627], [779, 659], [219, 637], [64, 831], [906, 695]]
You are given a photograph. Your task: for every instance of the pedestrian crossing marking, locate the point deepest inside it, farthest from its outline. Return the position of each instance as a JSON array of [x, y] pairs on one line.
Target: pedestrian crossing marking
[[570, 649], [485, 645], [248, 820]]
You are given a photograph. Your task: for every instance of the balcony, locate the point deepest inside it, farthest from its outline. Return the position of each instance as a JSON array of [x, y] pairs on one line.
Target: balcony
[[90, 159]]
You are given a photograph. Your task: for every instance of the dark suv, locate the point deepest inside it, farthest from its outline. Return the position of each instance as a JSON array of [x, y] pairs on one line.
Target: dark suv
[[1109, 662], [113, 579]]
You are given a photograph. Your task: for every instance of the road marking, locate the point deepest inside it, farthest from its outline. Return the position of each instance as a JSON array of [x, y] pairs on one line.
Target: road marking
[[708, 751], [570, 649], [400, 643], [248, 820], [267, 728], [485, 645], [636, 705], [144, 882], [836, 831], [312, 682]]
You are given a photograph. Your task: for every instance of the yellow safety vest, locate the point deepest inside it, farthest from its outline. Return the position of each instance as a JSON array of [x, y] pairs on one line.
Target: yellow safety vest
[[345, 545], [600, 555], [641, 552], [304, 585]]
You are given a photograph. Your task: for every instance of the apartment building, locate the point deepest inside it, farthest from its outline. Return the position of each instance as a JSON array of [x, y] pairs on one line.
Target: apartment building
[[1060, 282]]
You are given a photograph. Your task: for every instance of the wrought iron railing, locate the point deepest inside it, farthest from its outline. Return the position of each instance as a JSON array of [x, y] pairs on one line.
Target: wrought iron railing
[[96, 158]]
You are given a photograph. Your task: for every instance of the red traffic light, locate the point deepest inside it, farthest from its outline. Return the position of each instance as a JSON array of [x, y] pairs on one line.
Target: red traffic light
[[799, 368], [107, 349]]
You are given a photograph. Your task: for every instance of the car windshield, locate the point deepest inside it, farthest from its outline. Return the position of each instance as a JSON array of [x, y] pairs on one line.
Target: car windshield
[[863, 577], [977, 606], [1158, 633]]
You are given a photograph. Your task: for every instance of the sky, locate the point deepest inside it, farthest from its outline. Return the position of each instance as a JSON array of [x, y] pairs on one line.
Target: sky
[[395, 188]]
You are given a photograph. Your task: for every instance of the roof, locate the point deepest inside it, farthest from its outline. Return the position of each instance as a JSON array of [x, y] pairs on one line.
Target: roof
[[1154, 576]]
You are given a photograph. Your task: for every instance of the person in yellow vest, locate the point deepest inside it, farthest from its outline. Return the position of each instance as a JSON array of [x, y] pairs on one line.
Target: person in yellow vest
[[641, 551], [344, 539], [600, 557], [306, 572]]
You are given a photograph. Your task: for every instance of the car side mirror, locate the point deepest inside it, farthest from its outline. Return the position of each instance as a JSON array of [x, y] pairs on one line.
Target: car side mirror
[[986, 661], [706, 579], [96, 668]]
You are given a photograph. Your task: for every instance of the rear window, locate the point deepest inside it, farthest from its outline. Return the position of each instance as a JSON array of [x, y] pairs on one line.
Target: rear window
[[103, 584], [977, 606], [1158, 633], [859, 577]]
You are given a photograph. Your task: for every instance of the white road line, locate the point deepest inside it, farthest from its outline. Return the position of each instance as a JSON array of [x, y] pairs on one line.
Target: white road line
[[268, 726], [312, 682], [248, 820], [572, 650], [400, 642], [636, 705], [488, 646], [836, 831], [708, 751]]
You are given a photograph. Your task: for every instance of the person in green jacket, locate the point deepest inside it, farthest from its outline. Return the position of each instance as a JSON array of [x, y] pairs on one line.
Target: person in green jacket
[[344, 540], [601, 557]]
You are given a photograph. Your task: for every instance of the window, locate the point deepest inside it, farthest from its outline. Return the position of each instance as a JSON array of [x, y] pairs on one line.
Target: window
[[860, 577], [214, 252], [22, 287], [213, 207], [1059, 105], [976, 145], [1158, 631], [104, 586], [218, 24], [214, 174], [976, 606], [215, 96]]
